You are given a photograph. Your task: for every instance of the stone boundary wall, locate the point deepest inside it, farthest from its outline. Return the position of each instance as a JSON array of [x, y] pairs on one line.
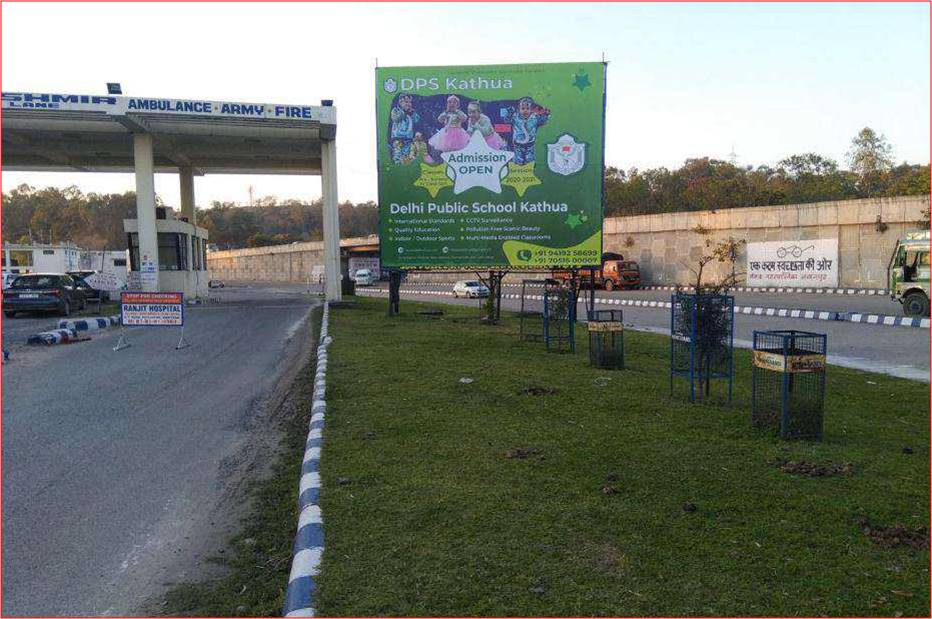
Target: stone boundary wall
[[275, 263], [665, 245]]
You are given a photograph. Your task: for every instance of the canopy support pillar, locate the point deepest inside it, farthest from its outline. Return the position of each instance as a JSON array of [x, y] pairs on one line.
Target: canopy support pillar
[[144, 162], [186, 176], [331, 223]]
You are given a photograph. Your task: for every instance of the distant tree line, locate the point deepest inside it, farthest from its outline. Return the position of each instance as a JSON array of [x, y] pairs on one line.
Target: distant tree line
[[705, 183], [95, 221]]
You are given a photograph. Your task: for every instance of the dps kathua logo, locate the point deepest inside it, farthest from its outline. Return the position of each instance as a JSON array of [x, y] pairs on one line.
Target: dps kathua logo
[[566, 156]]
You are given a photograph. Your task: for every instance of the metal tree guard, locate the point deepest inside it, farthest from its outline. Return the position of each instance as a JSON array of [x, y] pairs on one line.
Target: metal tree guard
[[531, 321], [788, 388], [606, 339], [560, 317], [701, 341]]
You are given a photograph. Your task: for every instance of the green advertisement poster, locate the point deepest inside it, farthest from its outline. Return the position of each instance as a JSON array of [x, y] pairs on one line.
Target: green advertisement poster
[[491, 166]]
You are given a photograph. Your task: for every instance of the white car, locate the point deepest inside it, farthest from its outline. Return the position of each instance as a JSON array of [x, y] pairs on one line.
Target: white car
[[470, 288], [365, 277]]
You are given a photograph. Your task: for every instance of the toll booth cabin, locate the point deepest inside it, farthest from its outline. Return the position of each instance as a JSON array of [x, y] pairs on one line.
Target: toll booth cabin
[[182, 254]]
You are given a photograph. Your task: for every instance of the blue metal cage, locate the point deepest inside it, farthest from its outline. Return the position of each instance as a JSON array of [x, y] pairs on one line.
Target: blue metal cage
[[702, 329]]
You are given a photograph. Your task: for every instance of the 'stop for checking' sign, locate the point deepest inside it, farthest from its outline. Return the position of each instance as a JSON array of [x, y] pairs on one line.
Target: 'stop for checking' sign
[[491, 166]]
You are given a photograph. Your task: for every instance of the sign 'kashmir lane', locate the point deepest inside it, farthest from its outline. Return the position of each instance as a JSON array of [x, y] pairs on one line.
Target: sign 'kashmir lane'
[[491, 166]]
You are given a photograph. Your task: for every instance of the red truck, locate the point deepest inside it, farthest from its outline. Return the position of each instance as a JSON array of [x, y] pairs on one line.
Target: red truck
[[616, 272]]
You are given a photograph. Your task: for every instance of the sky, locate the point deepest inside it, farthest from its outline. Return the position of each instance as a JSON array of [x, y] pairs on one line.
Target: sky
[[762, 81]]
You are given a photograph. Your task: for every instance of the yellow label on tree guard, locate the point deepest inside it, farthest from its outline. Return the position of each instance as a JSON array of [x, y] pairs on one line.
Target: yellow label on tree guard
[[605, 326], [793, 364]]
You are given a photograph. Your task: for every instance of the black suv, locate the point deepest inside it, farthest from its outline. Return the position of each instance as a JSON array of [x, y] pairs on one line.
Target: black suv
[[43, 292]]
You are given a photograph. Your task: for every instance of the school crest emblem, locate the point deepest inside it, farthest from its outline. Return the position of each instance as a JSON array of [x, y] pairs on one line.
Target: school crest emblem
[[566, 156]]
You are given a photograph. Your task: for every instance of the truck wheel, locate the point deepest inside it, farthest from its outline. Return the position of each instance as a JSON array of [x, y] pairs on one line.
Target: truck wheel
[[916, 304], [609, 285]]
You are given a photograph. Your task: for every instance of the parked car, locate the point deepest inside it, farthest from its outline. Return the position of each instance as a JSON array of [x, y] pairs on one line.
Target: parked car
[[91, 293], [215, 283], [56, 292], [365, 277], [470, 288]]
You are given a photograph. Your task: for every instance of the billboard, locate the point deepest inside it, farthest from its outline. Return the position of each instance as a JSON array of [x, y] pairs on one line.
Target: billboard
[[496, 166], [152, 309], [811, 263]]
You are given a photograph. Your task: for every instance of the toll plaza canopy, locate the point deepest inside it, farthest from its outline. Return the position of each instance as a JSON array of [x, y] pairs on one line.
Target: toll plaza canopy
[[191, 137]]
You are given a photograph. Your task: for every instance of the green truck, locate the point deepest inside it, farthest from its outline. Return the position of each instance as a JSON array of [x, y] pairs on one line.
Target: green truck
[[908, 273]]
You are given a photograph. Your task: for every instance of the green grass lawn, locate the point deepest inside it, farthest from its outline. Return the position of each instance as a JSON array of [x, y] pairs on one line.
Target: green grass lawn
[[426, 514]]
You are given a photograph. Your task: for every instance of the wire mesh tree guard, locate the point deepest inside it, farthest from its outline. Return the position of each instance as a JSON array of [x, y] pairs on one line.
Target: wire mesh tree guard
[[788, 383], [701, 341], [606, 339], [531, 314], [560, 316]]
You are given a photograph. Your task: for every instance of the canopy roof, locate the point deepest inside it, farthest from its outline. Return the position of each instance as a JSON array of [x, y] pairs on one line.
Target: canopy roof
[[91, 133]]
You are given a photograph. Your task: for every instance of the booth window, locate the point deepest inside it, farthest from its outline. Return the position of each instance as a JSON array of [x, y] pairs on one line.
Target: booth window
[[173, 251], [196, 252], [133, 242]]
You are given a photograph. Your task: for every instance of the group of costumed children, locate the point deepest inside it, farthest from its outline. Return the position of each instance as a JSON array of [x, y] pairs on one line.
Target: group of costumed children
[[408, 145]]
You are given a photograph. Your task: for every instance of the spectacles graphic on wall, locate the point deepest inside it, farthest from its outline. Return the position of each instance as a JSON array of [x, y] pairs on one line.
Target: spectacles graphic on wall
[[795, 250]]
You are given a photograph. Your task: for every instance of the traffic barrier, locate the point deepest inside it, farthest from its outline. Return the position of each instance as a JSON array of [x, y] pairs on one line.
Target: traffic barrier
[[57, 336], [775, 312], [309, 539], [90, 324]]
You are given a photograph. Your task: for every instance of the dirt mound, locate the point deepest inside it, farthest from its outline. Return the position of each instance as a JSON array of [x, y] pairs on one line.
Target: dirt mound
[[522, 453], [814, 469], [896, 535], [539, 391]]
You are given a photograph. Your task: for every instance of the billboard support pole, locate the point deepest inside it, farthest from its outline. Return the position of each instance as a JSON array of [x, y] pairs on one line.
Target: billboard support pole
[[495, 289], [394, 292], [590, 311]]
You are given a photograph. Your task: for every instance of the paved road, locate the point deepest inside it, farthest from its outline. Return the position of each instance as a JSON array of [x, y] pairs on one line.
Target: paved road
[[899, 351], [123, 470]]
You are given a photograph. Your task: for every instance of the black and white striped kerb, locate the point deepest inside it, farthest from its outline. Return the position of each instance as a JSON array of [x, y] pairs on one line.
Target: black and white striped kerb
[[56, 336], [777, 312], [90, 324], [309, 540], [783, 289]]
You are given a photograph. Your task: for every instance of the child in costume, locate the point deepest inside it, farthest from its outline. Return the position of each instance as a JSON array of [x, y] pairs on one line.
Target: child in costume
[[402, 130], [524, 124], [419, 150], [452, 136], [480, 122]]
